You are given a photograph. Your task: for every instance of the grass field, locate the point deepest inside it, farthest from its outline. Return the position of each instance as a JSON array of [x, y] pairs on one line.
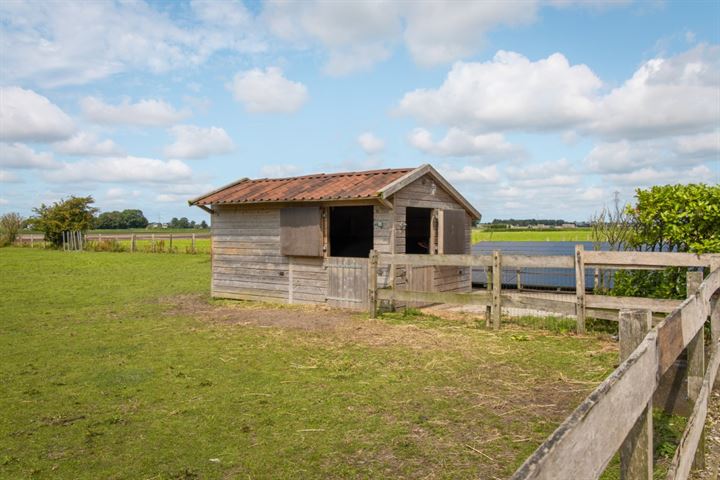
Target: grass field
[[570, 235], [120, 366]]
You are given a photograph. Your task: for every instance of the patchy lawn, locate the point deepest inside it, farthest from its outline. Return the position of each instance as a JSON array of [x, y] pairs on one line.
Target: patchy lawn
[[120, 366]]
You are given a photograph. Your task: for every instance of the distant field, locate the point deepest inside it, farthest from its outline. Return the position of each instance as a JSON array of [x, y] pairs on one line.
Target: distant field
[[120, 366], [570, 235]]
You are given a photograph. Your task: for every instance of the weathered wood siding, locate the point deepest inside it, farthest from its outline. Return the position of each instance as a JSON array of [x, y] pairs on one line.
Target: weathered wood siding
[[425, 193], [247, 263]]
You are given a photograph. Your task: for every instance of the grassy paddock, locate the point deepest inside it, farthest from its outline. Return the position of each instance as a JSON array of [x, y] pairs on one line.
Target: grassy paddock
[[104, 375], [569, 235]]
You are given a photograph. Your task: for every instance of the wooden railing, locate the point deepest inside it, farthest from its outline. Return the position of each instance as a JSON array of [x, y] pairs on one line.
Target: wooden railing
[[581, 305], [617, 415]]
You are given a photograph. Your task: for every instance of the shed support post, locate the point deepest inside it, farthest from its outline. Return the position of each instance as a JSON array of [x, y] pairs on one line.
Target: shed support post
[[496, 286], [696, 367], [636, 451], [580, 288], [372, 282]]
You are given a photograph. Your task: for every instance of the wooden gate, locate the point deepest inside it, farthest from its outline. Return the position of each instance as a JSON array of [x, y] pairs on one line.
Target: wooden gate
[[347, 282]]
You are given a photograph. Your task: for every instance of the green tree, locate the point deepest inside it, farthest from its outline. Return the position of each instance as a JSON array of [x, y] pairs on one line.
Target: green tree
[[134, 219], [73, 214], [682, 218], [10, 225]]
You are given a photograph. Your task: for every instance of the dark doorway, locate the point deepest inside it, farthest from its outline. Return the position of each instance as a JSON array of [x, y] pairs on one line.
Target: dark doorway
[[417, 230], [351, 231]]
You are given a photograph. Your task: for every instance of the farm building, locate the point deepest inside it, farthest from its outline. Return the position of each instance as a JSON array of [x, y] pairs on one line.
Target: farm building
[[307, 239]]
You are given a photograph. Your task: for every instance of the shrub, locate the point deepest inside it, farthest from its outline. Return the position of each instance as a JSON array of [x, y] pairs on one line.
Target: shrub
[[10, 225], [73, 214]]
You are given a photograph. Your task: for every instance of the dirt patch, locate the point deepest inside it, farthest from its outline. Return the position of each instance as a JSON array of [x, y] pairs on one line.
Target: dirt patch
[[258, 314], [712, 440]]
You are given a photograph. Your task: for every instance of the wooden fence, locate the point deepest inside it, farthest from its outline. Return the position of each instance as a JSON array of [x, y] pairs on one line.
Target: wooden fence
[[617, 415], [580, 305], [78, 241]]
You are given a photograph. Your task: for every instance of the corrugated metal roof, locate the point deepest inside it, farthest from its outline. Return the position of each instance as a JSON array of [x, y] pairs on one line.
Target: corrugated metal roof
[[317, 187]]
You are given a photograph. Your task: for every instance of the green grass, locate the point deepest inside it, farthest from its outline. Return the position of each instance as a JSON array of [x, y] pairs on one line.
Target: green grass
[[103, 377], [570, 235]]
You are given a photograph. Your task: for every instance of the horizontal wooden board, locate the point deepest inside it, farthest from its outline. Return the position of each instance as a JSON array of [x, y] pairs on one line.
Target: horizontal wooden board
[[619, 303], [649, 259], [480, 298]]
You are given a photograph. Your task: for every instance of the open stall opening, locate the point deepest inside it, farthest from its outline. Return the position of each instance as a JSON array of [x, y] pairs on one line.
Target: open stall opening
[[417, 231], [351, 231]]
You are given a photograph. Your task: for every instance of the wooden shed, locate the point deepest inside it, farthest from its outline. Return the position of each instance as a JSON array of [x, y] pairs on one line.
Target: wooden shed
[[307, 239]]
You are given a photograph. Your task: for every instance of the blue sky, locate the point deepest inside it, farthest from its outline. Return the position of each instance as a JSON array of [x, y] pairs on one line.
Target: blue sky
[[533, 109]]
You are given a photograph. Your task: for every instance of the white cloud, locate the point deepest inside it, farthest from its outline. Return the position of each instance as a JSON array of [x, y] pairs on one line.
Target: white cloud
[[701, 145], [470, 174], [170, 198], [357, 35], [665, 96], [9, 177], [73, 43], [87, 144], [649, 176], [370, 143], [559, 173], [4, 201], [267, 91], [147, 113], [192, 142], [121, 169], [459, 143], [28, 116], [279, 171], [18, 155], [509, 92]]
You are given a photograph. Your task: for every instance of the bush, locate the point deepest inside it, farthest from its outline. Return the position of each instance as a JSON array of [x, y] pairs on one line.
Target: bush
[[10, 225], [73, 214]]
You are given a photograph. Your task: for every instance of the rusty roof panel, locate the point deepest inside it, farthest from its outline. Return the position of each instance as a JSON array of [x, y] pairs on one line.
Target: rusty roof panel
[[334, 186]]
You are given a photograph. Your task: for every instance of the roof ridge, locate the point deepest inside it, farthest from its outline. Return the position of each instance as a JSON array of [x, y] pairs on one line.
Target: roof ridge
[[334, 174]]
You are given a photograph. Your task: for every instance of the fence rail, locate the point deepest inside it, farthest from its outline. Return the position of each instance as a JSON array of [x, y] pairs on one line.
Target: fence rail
[[79, 241], [617, 415]]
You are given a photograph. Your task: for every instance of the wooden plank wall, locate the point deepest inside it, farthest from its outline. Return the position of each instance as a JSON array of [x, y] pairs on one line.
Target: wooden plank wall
[[425, 193], [248, 265]]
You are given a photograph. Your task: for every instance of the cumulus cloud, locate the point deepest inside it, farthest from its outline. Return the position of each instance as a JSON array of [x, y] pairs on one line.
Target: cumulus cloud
[[73, 43], [193, 142], [556, 173], [649, 176], [120, 169], [357, 35], [470, 174], [87, 144], [268, 91], [279, 171], [665, 96], [459, 143], [508, 92], [28, 116], [370, 143], [18, 155], [9, 177], [147, 113]]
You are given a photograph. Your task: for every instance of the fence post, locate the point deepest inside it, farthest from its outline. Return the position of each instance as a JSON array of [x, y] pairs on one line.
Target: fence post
[[636, 451], [32, 241], [696, 366], [170, 246], [153, 242], [488, 283], [519, 279], [132, 243], [496, 286], [580, 288], [192, 243], [372, 282], [715, 308]]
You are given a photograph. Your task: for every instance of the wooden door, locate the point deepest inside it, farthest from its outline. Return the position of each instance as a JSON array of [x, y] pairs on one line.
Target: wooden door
[[347, 282]]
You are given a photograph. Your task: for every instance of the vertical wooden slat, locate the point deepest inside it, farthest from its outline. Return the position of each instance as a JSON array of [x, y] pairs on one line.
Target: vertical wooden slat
[[290, 280], [696, 366], [580, 288], [372, 282], [636, 452], [496, 286], [488, 284]]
